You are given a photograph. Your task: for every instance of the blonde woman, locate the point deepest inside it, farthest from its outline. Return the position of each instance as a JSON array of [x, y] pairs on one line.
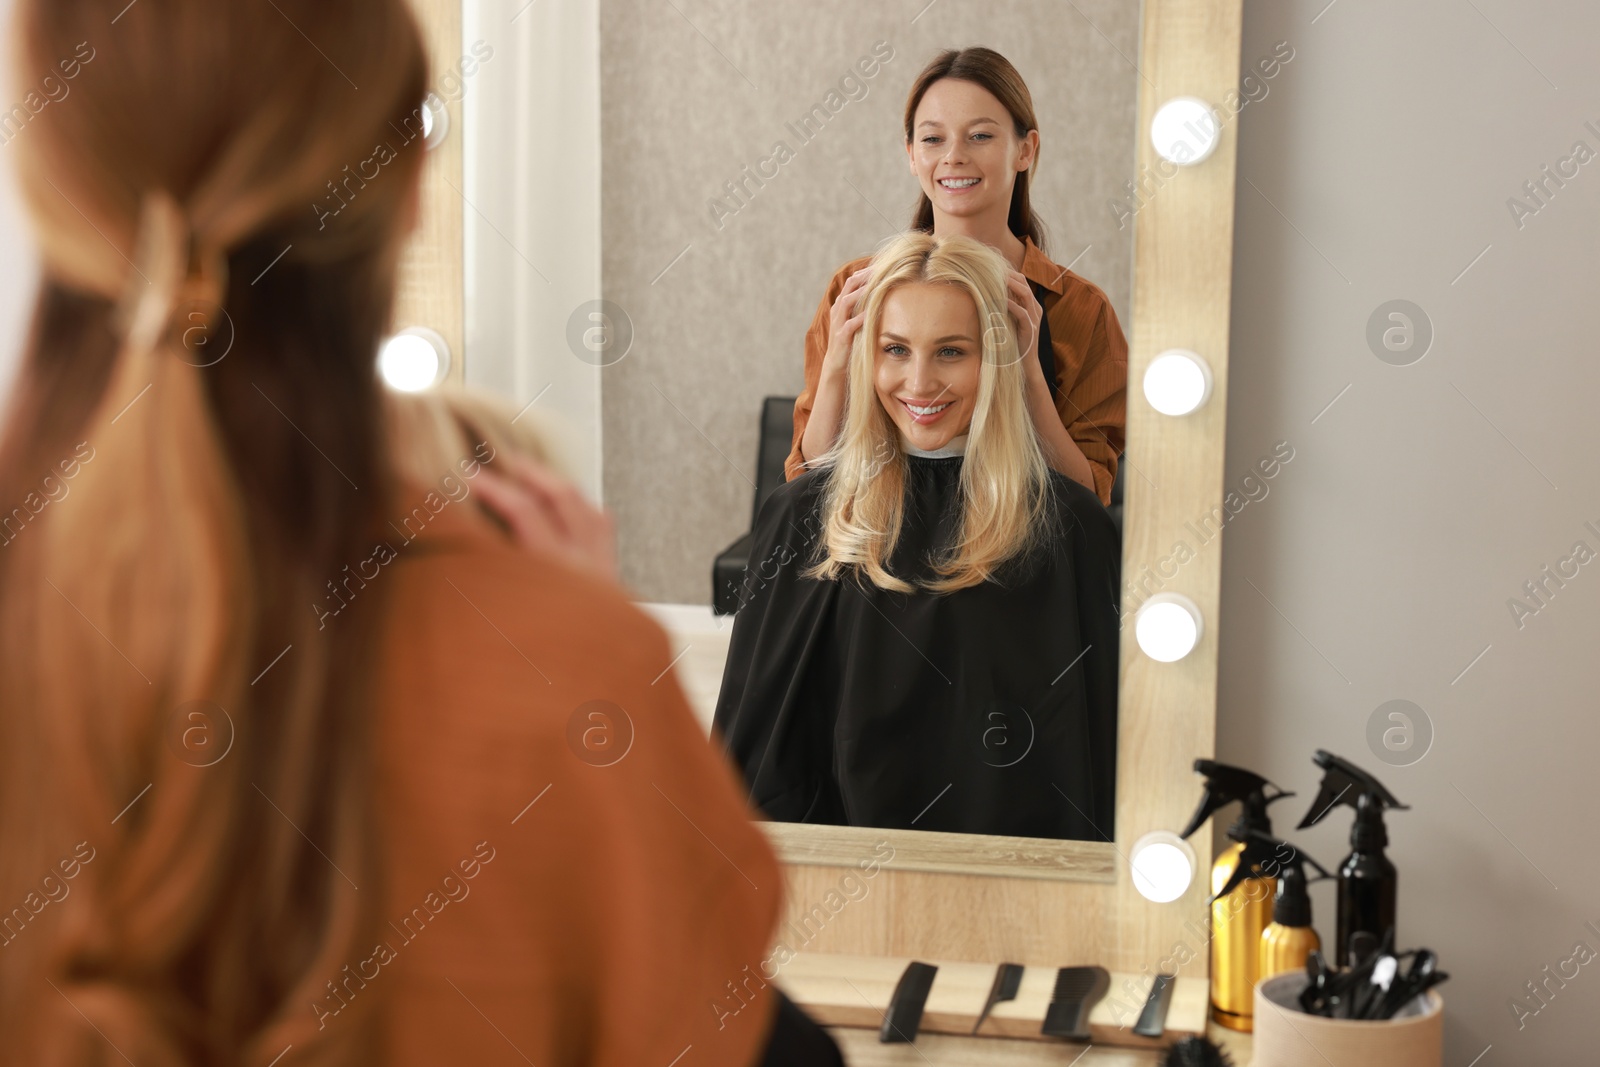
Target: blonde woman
[[928, 633]]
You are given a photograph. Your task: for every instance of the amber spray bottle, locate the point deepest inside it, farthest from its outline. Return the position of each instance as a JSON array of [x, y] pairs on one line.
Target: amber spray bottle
[[1290, 939], [1241, 905]]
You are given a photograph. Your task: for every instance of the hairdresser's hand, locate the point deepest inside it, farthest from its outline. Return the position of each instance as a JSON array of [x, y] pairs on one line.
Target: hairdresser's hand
[[1027, 314], [547, 515], [844, 322]]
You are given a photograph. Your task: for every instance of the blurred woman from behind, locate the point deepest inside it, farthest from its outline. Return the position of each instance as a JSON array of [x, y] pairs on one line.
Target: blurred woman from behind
[[301, 759]]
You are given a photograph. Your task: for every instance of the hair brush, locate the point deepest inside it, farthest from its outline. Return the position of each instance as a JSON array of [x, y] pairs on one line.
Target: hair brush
[[1196, 1052]]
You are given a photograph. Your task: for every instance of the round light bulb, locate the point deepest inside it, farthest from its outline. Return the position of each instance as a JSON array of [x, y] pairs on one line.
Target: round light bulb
[[414, 360], [1185, 130], [1177, 382], [435, 121], [1167, 627], [1163, 866]]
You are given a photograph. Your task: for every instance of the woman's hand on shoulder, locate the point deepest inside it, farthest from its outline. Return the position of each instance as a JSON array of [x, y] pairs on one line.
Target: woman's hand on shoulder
[[545, 514]]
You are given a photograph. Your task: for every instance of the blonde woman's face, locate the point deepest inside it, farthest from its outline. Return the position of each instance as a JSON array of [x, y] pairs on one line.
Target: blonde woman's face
[[929, 352]]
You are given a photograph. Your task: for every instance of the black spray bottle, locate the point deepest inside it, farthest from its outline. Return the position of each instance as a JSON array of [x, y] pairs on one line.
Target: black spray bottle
[[1368, 882]]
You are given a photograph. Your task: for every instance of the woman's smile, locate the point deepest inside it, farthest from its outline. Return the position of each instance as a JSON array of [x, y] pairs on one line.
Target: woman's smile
[[926, 413]]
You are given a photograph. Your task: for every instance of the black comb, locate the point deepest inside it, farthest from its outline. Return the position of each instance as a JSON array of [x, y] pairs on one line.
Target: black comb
[[1153, 1019], [1007, 980], [904, 1017], [1078, 989]]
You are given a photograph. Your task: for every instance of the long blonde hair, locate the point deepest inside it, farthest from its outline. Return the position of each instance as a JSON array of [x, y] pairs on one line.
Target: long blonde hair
[[1004, 485], [432, 431], [195, 447]]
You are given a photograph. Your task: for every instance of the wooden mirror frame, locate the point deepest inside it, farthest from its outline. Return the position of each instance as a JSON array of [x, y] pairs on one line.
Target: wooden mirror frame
[[974, 897], [943, 896]]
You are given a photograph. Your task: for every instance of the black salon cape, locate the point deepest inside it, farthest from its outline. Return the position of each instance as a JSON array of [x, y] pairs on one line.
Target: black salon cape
[[992, 709]]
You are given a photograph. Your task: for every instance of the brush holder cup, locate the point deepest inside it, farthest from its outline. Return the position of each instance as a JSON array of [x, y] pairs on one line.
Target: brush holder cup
[[1285, 1036]]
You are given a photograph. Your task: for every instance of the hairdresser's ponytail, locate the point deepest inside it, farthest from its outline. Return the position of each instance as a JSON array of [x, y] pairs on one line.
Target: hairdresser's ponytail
[[195, 449]]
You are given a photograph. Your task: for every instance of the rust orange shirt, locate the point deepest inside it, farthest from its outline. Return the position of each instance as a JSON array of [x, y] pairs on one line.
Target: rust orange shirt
[[1091, 363], [574, 876]]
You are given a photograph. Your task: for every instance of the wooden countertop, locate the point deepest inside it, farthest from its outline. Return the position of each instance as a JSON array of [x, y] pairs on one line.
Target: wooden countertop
[[849, 996], [862, 1049]]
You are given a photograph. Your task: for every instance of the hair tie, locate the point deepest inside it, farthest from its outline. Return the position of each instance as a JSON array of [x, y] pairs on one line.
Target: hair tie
[[168, 273]]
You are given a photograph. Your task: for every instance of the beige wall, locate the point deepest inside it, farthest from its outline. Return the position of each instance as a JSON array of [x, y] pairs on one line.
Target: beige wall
[[691, 98]]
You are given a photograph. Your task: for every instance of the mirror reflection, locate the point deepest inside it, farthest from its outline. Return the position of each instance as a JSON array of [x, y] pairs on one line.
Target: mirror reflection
[[926, 609], [940, 620]]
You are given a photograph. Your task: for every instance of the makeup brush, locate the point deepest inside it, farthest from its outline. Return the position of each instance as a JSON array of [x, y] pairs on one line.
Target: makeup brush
[[1196, 1052]]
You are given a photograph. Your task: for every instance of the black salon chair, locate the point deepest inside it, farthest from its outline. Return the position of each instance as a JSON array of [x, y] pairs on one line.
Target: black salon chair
[[1116, 492], [777, 437]]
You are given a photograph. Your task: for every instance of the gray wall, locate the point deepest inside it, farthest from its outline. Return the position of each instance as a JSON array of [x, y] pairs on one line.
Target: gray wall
[[1382, 561], [693, 93]]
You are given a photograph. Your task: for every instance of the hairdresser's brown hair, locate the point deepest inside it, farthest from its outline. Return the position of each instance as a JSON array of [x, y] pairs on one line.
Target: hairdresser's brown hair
[[185, 788], [989, 69]]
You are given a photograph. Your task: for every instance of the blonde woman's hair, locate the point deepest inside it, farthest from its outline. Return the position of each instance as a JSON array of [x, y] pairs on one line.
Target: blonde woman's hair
[[1005, 481], [432, 431]]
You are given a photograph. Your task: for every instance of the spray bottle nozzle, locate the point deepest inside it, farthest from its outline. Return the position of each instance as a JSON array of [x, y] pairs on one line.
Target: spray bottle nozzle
[[1345, 783], [1266, 857], [1226, 784], [1292, 906]]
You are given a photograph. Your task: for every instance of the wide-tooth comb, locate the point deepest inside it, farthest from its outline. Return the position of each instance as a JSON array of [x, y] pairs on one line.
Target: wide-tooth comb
[[1078, 989], [904, 1017]]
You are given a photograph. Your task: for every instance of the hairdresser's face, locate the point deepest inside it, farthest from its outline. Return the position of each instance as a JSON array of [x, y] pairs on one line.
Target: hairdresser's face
[[926, 364], [962, 131]]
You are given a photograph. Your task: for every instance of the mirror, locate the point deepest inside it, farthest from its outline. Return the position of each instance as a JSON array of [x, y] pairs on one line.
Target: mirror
[[927, 614], [700, 343], [649, 294]]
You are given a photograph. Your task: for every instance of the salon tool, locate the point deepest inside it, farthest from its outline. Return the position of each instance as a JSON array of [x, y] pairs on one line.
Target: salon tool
[[1078, 989], [1374, 987], [904, 1017], [1007, 980], [1370, 993], [1409, 992], [1196, 1052], [1362, 946], [1421, 975], [1357, 984], [1152, 1019], [1242, 906], [1290, 937], [1315, 995], [1367, 880]]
